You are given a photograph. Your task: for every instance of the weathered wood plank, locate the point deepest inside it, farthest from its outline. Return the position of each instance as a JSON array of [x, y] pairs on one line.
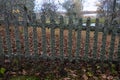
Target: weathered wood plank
[[26, 40], [52, 40], [87, 39], [104, 38], [26, 44], [35, 41], [44, 45], [118, 51], [17, 37], [95, 39], [61, 37], [70, 28], [8, 39], [78, 46], [113, 36], [1, 46]]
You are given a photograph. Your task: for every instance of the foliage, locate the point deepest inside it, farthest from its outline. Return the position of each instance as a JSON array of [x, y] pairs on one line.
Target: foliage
[[73, 7], [16, 9], [109, 9], [49, 9], [2, 71], [16, 4]]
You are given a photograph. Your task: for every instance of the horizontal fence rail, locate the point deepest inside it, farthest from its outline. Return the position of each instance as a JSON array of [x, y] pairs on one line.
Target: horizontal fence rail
[[61, 40]]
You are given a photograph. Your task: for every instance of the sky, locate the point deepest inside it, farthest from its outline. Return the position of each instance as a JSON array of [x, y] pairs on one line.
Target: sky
[[89, 5]]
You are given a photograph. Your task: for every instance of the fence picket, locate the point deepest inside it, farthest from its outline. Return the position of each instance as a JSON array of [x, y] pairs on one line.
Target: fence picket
[[118, 51], [61, 37], [8, 39], [112, 44], [35, 40], [26, 40], [95, 39], [52, 37], [78, 38], [43, 19], [87, 39], [70, 25], [1, 46], [104, 38], [17, 37], [26, 43]]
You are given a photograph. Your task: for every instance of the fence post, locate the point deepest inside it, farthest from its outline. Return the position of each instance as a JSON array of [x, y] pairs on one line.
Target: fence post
[[17, 39], [118, 52], [2, 54], [112, 44], [104, 37], [43, 20], [87, 39], [61, 37], [17, 36], [1, 46], [79, 28], [95, 39], [8, 39], [52, 25], [70, 27], [26, 43], [35, 40]]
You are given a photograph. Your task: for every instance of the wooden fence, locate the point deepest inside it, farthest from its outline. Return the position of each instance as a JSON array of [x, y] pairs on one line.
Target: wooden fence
[[58, 45]]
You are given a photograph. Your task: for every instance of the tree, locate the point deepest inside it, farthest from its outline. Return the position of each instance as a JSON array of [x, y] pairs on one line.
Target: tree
[[109, 9], [16, 8], [12, 4], [49, 9], [73, 7]]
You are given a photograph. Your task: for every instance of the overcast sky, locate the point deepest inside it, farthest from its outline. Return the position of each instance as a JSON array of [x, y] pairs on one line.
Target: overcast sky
[[89, 5]]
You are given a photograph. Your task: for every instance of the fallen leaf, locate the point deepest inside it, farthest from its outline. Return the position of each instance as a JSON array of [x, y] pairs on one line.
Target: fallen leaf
[[85, 77], [67, 78], [110, 77], [103, 76]]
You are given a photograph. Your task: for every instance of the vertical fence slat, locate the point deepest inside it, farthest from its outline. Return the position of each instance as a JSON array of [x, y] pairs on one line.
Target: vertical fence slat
[[104, 38], [17, 37], [61, 37], [1, 46], [79, 28], [8, 39], [52, 37], [26, 40], [70, 38], [87, 39], [118, 51], [35, 40], [95, 39], [43, 19], [112, 45]]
